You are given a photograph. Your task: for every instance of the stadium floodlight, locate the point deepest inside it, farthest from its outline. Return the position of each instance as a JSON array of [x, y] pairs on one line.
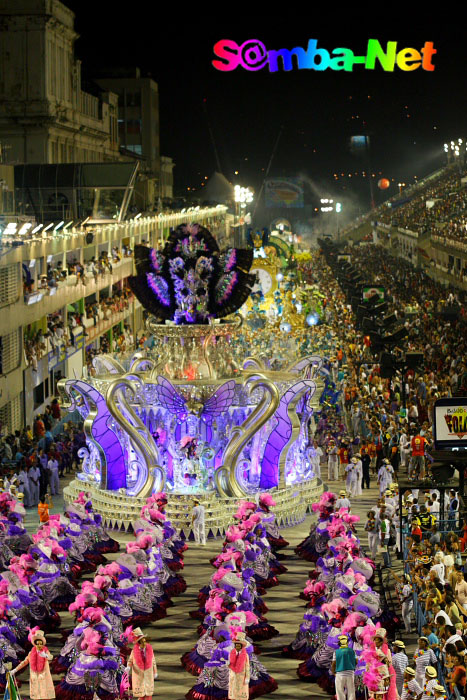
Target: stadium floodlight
[[38, 228], [24, 229], [243, 195], [59, 225]]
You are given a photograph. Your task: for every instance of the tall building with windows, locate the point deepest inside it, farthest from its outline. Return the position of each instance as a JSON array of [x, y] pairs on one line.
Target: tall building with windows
[[45, 116], [138, 129]]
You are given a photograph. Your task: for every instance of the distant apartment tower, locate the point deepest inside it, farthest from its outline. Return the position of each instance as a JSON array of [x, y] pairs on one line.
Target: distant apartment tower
[[45, 116], [138, 128]]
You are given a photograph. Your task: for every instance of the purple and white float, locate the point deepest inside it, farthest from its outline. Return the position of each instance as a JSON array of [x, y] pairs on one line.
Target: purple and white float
[[184, 417]]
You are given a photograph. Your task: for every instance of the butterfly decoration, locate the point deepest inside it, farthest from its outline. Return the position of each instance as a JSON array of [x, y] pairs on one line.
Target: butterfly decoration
[[215, 405]]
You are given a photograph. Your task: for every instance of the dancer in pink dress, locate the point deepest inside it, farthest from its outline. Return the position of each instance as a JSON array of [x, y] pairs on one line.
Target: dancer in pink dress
[[41, 686], [142, 666], [384, 652]]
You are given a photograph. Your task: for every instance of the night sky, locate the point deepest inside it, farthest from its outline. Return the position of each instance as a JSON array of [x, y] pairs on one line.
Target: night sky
[[408, 116]]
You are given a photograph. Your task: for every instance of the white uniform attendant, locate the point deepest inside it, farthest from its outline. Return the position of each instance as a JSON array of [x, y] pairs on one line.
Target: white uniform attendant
[[405, 449], [315, 454], [333, 463], [34, 484], [342, 501], [24, 488], [198, 513], [52, 466], [352, 477], [407, 605], [359, 470]]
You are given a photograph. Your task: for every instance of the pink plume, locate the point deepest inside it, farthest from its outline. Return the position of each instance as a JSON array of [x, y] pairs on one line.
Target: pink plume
[[372, 679], [91, 641], [102, 582], [186, 440], [214, 604], [144, 541], [160, 496], [32, 632], [112, 569], [57, 550], [250, 618], [93, 614], [220, 573], [20, 573], [5, 603], [156, 514], [327, 497], [128, 634], [234, 533], [351, 622], [267, 500], [140, 569], [79, 602], [351, 519], [333, 607]]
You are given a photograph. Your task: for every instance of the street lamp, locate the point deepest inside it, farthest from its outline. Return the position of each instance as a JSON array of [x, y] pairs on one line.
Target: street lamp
[[242, 196], [400, 186], [327, 206], [455, 150]]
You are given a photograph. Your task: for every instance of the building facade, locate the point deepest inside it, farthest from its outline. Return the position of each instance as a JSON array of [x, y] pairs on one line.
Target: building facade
[[45, 116], [32, 360]]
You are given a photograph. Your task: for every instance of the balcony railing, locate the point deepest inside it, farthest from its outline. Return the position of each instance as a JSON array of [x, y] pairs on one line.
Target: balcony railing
[[89, 105]]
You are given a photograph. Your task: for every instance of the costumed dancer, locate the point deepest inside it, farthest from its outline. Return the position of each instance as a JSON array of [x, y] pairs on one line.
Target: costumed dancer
[[239, 669], [315, 544], [268, 520], [41, 686], [94, 671], [142, 667], [343, 666]]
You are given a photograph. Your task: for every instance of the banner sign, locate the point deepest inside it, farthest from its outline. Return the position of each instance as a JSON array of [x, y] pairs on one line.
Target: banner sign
[[450, 423], [284, 192], [368, 292]]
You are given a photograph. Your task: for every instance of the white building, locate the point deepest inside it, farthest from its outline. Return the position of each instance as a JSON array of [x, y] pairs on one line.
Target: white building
[[45, 116]]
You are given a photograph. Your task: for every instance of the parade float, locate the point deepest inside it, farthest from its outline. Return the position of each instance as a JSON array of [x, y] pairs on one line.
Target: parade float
[[187, 418]]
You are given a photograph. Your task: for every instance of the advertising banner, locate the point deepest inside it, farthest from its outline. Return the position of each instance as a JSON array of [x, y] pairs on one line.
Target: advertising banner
[[450, 423], [284, 192], [368, 292]]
